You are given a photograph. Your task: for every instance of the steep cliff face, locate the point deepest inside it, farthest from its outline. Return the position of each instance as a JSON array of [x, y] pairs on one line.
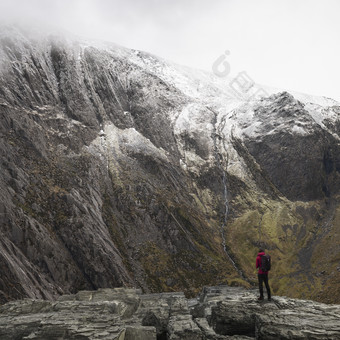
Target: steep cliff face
[[119, 168]]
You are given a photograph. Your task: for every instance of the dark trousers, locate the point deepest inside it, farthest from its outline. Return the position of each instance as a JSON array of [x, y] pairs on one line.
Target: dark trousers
[[264, 278]]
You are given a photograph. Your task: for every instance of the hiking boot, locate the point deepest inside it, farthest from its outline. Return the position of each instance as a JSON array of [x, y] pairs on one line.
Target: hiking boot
[[260, 298], [269, 299]]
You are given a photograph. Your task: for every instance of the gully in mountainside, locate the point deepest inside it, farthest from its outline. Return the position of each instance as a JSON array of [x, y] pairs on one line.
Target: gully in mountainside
[[219, 160]]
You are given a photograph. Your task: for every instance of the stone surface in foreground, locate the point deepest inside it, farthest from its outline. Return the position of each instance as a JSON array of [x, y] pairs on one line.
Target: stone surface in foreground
[[127, 314]]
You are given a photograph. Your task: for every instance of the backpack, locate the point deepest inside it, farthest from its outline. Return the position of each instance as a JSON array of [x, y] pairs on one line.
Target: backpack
[[265, 263]]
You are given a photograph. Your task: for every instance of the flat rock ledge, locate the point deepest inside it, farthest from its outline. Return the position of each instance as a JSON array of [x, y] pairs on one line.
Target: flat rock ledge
[[126, 314]]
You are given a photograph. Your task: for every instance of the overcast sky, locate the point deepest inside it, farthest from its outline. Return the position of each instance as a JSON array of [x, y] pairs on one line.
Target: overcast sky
[[289, 44]]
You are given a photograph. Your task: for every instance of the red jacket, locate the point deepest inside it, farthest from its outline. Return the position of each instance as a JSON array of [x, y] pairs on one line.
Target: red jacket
[[259, 262]]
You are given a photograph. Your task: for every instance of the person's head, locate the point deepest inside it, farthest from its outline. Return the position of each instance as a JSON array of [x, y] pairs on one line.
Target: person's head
[[261, 250]]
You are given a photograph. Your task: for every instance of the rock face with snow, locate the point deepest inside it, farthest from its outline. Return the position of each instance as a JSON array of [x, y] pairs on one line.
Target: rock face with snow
[[121, 169], [126, 314]]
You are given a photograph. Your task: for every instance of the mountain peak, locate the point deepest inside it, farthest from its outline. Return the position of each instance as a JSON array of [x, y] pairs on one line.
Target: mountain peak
[[122, 169]]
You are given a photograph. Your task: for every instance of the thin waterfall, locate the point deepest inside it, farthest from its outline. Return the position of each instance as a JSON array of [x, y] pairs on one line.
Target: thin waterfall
[[103, 144], [219, 162]]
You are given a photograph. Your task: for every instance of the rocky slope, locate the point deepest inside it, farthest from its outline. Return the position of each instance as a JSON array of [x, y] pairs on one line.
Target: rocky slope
[[126, 314], [121, 169]]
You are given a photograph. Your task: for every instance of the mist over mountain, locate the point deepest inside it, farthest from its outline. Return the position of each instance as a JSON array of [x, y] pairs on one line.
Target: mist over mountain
[[119, 168]]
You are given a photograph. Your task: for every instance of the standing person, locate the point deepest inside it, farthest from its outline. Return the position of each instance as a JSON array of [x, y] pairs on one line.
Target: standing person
[[263, 273]]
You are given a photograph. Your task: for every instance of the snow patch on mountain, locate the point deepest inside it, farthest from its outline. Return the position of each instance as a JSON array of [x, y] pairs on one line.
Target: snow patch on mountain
[[113, 142]]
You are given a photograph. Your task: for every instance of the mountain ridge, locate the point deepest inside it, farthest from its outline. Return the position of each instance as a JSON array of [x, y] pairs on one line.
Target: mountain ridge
[[119, 171]]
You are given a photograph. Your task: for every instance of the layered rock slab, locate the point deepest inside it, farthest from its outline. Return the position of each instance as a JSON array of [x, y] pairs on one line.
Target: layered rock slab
[[125, 314], [282, 318]]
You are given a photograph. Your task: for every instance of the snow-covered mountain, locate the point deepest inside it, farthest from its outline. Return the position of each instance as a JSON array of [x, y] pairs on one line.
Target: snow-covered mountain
[[121, 168]]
